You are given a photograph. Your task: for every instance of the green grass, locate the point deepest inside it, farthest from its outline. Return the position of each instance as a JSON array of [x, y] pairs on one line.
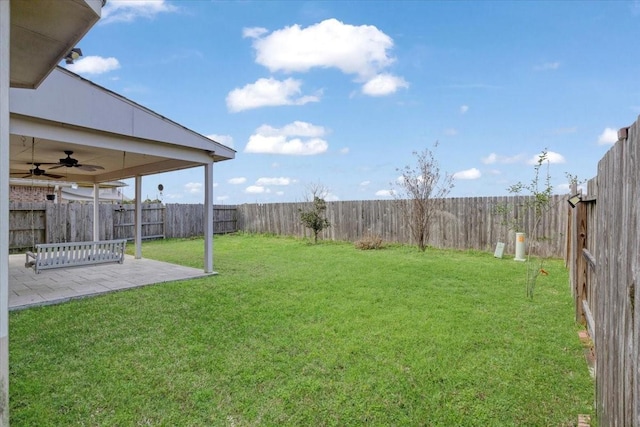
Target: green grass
[[308, 335]]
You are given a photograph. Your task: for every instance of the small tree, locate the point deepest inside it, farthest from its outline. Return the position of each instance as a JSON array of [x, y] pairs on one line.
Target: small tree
[[540, 191], [421, 194], [314, 218]]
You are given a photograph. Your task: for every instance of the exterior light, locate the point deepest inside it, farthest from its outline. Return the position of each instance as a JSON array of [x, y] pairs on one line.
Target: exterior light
[[74, 54], [574, 200]]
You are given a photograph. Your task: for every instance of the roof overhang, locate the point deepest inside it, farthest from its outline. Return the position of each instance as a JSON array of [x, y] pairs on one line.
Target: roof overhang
[[43, 32], [69, 113]]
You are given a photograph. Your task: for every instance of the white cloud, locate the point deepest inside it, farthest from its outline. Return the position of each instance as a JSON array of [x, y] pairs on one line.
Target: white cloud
[[383, 84], [280, 193], [464, 109], [299, 128], [365, 183], [565, 188], [330, 197], [254, 33], [281, 145], [552, 157], [94, 65], [239, 180], [451, 132], [344, 150], [222, 198], [222, 139], [497, 158], [384, 193], [472, 173], [362, 51], [268, 93], [193, 187], [130, 10], [274, 181], [608, 136], [547, 66], [256, 189], [490, 159], [306, 140]]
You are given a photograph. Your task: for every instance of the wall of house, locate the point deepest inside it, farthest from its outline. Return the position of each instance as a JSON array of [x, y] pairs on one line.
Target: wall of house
[[22, 193]]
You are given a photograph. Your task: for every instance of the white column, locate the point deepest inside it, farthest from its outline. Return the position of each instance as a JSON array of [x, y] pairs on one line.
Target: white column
[[138, 219], [208, 217], [5, 68], [96, 212]]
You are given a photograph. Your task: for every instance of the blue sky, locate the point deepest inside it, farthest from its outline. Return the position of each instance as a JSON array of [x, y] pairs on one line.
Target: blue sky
[[341, 93]]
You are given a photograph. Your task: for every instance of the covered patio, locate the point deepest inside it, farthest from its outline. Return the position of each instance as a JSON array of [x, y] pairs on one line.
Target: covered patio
[[70, 129], [28, 289]]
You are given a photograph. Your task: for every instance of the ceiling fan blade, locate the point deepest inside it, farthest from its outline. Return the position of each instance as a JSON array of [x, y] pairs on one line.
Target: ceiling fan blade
[[89, 168], [52, 176], [24, 174], [54, 167]]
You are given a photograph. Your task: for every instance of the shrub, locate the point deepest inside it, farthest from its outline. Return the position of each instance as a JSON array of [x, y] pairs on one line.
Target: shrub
[[370, 241]]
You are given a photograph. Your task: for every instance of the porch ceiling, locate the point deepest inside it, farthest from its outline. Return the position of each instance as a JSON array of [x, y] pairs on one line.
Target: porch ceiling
[[117, 164]]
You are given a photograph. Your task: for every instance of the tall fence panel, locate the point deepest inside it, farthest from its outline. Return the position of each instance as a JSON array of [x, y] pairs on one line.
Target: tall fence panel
[[123, 221], [617, 319], [47, 222], [605, 277], [463, 223], [27, 225]]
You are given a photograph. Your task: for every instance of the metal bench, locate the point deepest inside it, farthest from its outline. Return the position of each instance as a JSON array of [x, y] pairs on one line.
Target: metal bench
[[73, 254]]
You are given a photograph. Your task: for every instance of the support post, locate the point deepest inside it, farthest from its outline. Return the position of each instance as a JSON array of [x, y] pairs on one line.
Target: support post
[[208, 217], [5, 21], [138, 218], [96, 212]]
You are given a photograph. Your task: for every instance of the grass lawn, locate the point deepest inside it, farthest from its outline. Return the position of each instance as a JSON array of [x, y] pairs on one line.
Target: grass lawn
[[297, 334]]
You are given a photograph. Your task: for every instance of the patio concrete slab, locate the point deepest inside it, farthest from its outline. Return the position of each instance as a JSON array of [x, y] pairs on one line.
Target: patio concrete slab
[[28, 289]]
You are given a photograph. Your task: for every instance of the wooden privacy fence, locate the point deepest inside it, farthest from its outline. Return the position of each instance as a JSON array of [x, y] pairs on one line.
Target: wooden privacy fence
[[46, 222], [604, 260], [464, 223]]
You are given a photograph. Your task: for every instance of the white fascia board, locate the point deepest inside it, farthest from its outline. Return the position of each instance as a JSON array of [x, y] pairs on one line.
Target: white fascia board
[[65, 97], [22, 125]]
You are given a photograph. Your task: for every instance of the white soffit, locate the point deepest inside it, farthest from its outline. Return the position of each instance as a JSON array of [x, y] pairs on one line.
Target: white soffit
[[43, 32]]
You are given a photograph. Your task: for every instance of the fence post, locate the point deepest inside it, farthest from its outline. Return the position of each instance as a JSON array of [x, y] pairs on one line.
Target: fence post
[[580, 263]]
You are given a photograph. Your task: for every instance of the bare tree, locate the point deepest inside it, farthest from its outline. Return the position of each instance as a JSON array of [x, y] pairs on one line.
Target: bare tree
[[314, 218], [422, 189]]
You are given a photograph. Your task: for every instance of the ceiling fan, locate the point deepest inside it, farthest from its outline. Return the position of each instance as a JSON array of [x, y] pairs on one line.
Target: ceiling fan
[[70, 162], [37, 172]]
